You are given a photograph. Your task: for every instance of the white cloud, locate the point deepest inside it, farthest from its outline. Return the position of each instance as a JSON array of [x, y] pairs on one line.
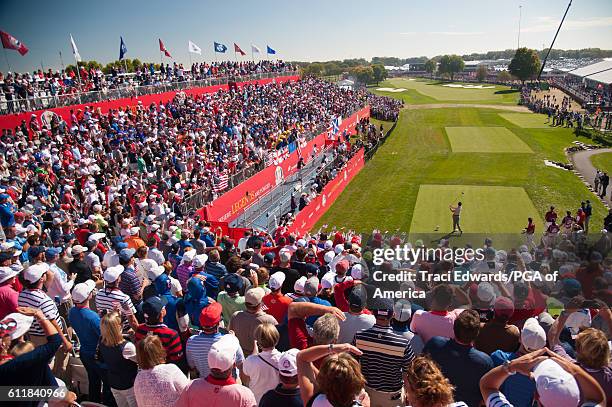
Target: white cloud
[[546, 24]]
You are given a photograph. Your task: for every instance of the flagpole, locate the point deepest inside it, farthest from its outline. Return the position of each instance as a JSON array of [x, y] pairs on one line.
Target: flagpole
[[7, 60], [61, 60]]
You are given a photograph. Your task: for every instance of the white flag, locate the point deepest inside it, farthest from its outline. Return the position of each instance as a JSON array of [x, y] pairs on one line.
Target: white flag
[[194, 49], [75, 50], [255, 49]]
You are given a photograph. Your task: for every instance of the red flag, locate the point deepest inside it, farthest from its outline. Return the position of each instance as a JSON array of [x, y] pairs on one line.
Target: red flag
[[10, 42], [237, 49], [163, 49]]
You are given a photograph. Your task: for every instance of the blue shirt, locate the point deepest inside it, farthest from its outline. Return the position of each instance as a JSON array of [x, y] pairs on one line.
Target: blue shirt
[[463, 365], [86, 324], [6, 214], [518, 388]]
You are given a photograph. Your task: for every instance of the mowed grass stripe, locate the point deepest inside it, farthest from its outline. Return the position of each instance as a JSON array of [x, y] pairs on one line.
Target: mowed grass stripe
[[467, 139], [527, 120]]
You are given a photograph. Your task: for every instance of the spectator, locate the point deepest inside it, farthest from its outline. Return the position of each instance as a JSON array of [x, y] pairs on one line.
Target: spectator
[[425, 385], [356, 320], [276, 303], [497, 334], [402, 312], [287, 392], [439, 321], [261, 368], [244, 323]]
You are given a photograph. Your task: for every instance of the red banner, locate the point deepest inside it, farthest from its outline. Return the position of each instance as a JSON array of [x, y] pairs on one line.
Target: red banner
[[13, 120], [307, 217], [231, 204]]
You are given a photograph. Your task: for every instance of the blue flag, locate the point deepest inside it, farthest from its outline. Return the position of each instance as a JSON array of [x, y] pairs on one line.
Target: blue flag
[[220, 47], [270, 50], [122, 49]]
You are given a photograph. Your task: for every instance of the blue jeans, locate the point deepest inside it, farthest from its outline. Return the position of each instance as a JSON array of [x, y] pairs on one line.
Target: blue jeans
[[96, 374]]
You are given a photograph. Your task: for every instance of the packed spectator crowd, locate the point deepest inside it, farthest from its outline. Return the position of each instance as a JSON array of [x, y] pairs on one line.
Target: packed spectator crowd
[[384, 108], [38, 89], [599, 95], [136, 156], [168, 311]]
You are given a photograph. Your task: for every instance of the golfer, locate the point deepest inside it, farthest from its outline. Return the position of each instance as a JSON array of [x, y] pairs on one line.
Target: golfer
[[456, 211]]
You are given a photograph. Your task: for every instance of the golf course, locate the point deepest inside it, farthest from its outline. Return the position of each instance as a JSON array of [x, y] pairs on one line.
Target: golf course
[[485, 152]]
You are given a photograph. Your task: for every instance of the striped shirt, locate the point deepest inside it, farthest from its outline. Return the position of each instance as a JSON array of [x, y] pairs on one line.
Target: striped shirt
[[197, 351], [130, 284], [169, 339], [107, 297], [386, 356], [498, 399], [40, 300]]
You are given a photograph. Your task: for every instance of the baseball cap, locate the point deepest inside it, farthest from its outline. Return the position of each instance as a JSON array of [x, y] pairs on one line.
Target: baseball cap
[[357, 297], [328, 257], [7, 272], [4, 256], [155, 271], [78, 249], [382, 307], [503, 306], [232, 283], [96, 237], [285, 255], [555, 386], [254, 296], [35, 251], [34, 273], [211, 315], [486, 292], [269, 257], [111, 274], [287, 363], [222, 354], [357, 271], [15, 325], [311, 287], [328, 245], [533, 336], [121, 245], [52, 252], [152, 307], [200, 260], [342, 266], [276, 280], [189, 256], [328, 280], [298, 286], [82, 290], [126, 254], [402, 310]]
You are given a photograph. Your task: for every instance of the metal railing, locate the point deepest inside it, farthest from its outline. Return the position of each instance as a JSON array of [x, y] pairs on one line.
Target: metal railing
[[52, 101], [371, 150]]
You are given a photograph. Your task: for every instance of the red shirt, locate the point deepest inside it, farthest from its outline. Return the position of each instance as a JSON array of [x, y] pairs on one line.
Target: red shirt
[[277, 304], [298, 334], [169, 338], [8, 300]]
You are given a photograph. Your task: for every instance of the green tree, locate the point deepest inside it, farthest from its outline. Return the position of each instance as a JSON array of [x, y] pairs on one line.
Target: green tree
[[481, 73], [363, 74], [525, 64], [450, 65], [379, 73], [504, 76], [430, 67]]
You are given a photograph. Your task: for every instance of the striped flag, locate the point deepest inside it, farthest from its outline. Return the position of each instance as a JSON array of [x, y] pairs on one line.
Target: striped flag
[[220, 182]]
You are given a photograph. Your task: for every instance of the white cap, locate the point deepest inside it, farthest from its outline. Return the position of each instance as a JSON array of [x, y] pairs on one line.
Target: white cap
[[328, 280], [78, 249], [82, 290], [22, 322], [486, 292], [402, 310], [112, 273], [301, 243], [222, 354], [298, 287], [328, 245], [556, 387], [96, 236], [7, 273], [154, 227], [152, 269], [287, 363], [254, 296], [134, 230], [276, 280], [533, 336], [329, 256], [339, 248], [357, 272], [35, 272], [285, 255], [199, 260], [189, 256]]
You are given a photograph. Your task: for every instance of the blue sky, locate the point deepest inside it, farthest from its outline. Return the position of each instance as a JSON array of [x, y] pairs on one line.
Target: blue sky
[[308, 31]]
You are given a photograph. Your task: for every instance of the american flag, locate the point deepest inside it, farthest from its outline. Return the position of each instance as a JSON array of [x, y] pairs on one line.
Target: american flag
[[220, 182]]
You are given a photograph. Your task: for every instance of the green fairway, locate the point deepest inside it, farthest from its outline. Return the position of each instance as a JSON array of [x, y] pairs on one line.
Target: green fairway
[[527, 120], [486, 209], [418, 152], [467, 139], [421, 91], [602, 162]]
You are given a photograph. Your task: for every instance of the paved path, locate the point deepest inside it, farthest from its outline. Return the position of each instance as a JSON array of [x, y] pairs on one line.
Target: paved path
[[583, 165], [513, 108]]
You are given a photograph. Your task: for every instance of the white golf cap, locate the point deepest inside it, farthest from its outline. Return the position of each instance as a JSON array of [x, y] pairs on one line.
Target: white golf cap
[[82, 290], [7, 273], [112, 273], [189, 256], [96, 237], [357, 271], [78, 249], [287, 363], [555, 386], [328, 280], [16, 325], [298, 287], [200, 260], [276, 280], [134, 230], [533, 336], [33, 273], [222, 354], [328, 257]]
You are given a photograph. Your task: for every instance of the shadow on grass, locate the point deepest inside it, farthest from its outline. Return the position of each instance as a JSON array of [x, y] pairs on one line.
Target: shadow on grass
[[506, 91]]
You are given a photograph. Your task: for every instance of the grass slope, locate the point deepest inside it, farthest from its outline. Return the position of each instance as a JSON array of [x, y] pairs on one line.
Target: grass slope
[[418, 152], [527, 120], [468, 139]]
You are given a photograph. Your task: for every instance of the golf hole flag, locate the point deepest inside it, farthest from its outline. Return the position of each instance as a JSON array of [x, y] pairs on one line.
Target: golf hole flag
[[220, 47], [194, 49], [10, 42], [238, 50], [271, 51]]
